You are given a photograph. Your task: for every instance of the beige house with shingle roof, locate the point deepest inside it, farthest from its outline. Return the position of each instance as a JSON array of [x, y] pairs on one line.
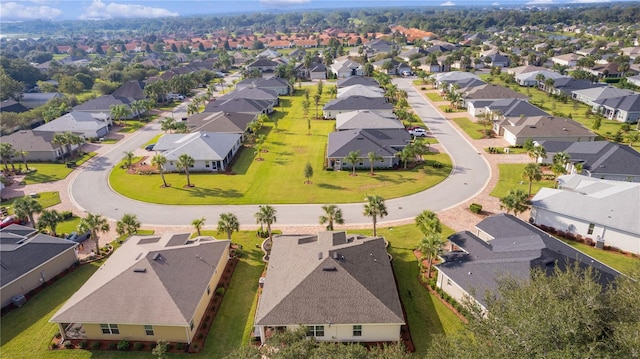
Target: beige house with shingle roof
[[339, 287], [152, 288]]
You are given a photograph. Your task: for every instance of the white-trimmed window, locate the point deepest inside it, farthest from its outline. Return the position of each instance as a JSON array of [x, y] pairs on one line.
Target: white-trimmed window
[[109, 328], [592, 226], [315, 331], [148, 330], [357, 330]]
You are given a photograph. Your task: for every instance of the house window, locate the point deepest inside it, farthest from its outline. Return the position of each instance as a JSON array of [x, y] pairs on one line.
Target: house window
[[208, 289], [315, 331], [207, 164], [591, 227], [109, 328], [148, 329], [170, 163], [357, 330], [448, 281], [191, 324]]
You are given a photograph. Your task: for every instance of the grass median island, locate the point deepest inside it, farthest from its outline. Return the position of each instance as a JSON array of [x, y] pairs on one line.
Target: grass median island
[[511, 178], [279, 176]]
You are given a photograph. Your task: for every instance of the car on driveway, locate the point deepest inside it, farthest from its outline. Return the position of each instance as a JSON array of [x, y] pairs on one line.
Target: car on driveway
[[78, 237], [9, 220], [418, 132], [150, 147]]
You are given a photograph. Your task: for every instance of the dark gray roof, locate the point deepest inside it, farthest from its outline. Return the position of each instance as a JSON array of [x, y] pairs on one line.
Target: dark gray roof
[[357, 80], [629, 103], [12, 106], [516, 108], [516, 248], [104, 103], [568, 84], [22, 250], [271, 82], [238, 105], [491, 91], [251, 93], [262, 62], [597, 157], [354, 103], [229, 122], [384, 142], [534, 126], [132, 89], [147, 283], [332, 278]]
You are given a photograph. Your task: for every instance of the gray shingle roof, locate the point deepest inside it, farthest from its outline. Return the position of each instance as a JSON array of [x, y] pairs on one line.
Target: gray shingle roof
[[357, 80], [366, 119], [251, 93], [131, 89], [202, 146], [104, 103], [516, 249], [491, 91], [167, 293], [358, 103], [360, 90], [22, 250], [238, 105], [534, 126], [30, 141], [229, 122], [350, 282], [629, 103], [384, 142], [74, 121], [516, 108]]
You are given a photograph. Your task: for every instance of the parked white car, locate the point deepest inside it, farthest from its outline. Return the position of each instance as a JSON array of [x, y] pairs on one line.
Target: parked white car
[[418, 132]]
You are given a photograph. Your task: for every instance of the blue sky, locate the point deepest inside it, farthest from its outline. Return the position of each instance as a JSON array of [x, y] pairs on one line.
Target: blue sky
[[112, 9]]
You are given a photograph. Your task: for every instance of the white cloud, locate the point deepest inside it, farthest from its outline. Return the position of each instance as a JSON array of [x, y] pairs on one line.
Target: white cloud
[[448, 3], [283, 3], [99, 11], [13, 10], [496, 4], [540, 2], [588, 1]]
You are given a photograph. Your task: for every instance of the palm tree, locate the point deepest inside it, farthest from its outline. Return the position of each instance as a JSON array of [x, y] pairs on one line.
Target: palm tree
[[158, 161], [332, 214], [375, 208], [6, 153], [138, 107], [428, 223], [128, 159], [198, 223], [94, 223], [266, 215], [373, 157], [184, 162], [353, 158], [67, 139], [532, 173], [429, 246], [119, 112], [167, 124], [228, 223], [516, 201], [538, 152], [129, 224], [26, 207], [23, 155], [49, 219]]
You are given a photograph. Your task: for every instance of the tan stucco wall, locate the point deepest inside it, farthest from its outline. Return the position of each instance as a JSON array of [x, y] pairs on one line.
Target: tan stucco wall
[[137, 332], [370, 333], [32, 279]]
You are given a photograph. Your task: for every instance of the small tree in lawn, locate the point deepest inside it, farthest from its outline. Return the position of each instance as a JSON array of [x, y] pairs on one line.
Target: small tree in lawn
[[266, 215], [373, 157], [316, 100], [375, 208], [94, 223], [353, 157], [49, 219], [127, 225], [184, 162], [161, 349], [332, 215], [308, 172], [516, 200], [128, 159], [228, 223], [532, 173], [198, 223], [159, 161]]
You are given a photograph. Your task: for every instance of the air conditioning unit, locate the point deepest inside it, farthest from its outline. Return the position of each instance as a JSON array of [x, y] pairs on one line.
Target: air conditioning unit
[[19, 300]]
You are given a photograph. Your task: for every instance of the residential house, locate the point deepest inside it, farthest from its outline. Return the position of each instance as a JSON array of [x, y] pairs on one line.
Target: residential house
[[505, 246], [396, 68], [450, 78], [243, 105], [263, 65], [357, 80], [634, 80], [220, 122], [530, 79], [410, 54], [592, 95], [491, 92], [252, 93], [515, 71], [346, 68], [598, 159], [360, 90], [608, 70], [566, 85], [269, 54], [516, 130], [279, 85], [386, 143], [38, 145], [366, 119], [632, 52], [607, 212], [316, 71], [508, 107], [379, 46], [569, 60], [101, 106], [133, 89], [37, 99], [12, 106], [622, 109], [29, 260], [211, 151], [354, 103], [88, 125], [498, 60], [152, 288], [339, 287]]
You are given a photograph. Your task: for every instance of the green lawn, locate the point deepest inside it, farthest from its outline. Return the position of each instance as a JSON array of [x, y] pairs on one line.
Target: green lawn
[[511, 178], [131, 126], [623, 263], [434, 96], [473, 129], [279, 177], [50, 172], [46, 199], [153, 140], [68, 226]]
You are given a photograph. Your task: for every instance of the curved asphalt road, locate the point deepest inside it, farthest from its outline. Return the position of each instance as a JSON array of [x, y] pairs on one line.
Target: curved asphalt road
[[89, 190]]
